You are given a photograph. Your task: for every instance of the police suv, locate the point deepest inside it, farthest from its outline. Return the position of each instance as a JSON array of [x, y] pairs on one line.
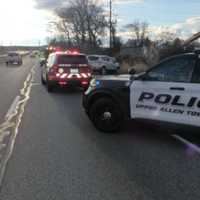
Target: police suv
[[169, 92]]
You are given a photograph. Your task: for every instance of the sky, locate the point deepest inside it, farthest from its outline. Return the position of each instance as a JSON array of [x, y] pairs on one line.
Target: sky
[[24, 22]]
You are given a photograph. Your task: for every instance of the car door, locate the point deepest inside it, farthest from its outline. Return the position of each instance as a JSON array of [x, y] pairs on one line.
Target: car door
[[94, 61], [106, 62], [165, 91]]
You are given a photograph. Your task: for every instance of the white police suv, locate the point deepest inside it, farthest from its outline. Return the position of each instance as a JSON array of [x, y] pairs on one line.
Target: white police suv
[[169, 92]]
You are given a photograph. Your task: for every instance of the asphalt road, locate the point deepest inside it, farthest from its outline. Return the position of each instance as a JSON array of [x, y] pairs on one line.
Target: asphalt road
[[58, 154]]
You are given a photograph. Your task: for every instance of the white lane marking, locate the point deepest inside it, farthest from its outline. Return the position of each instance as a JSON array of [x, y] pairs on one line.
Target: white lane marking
[[3, 135], [13, 107], [188, 143]]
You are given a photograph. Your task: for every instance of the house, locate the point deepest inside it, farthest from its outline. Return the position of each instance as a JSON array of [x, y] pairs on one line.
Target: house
[[141, 58]]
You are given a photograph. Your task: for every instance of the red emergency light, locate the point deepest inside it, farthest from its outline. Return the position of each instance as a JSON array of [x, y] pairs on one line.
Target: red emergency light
[[73, 51]]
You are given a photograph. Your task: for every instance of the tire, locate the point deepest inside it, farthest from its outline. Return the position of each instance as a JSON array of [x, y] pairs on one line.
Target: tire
[[106, 115], [103, 71], [49, 87]]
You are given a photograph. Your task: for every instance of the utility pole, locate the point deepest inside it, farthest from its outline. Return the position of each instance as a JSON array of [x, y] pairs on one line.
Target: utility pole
[[110, 24]]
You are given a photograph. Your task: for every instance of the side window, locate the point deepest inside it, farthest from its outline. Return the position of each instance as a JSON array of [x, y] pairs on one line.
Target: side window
[[106, 59], [93, 58], [196, 74], [53, 60], [48, 61], [174, 70]]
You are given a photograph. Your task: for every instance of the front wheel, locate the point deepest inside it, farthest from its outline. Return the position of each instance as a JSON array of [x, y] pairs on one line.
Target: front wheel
[[106, 115]]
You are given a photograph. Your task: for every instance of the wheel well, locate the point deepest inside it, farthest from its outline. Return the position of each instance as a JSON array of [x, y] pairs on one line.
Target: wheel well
[[106, 95], [98, 96]]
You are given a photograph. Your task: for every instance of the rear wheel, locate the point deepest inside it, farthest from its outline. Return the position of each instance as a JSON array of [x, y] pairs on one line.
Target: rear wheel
[[49, 87], [42, 80], [106, 115], [104, 71]]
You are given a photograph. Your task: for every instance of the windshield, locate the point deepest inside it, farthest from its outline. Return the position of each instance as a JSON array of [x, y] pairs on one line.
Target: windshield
[[93, 58]]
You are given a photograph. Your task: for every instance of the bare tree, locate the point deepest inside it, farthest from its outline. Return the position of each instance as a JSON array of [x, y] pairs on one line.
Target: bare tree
[[82, 22], [138, 31], [165, 38]]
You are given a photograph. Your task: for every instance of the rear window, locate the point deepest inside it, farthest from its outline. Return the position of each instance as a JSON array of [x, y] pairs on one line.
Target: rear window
[[71, 59]]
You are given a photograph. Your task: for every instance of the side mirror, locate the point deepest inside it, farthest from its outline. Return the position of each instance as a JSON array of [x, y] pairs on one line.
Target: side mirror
[[142, 77], [132, 71], [42, 62]]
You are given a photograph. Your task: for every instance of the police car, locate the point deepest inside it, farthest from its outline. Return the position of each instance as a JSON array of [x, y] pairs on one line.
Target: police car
[[169, 92], [66, 69]]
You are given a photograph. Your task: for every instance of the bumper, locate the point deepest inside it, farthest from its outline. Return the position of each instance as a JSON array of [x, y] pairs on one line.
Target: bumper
[[84, 83], [14, 61]]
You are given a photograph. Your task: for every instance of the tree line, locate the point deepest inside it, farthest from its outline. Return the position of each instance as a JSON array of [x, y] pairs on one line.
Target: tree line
[[85, 24]]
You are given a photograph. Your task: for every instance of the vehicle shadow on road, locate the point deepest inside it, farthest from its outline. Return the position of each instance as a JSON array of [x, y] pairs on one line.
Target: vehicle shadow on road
[[67, 91]]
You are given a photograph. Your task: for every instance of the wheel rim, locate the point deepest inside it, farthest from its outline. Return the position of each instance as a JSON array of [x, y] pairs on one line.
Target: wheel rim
[[107, 118]]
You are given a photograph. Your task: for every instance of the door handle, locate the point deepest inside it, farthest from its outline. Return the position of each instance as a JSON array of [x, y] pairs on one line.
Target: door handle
[[177, 88]]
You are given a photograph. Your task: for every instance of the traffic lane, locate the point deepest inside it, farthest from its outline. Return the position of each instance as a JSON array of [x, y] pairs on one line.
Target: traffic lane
[[58, 160], [60, 155], [12, 78]]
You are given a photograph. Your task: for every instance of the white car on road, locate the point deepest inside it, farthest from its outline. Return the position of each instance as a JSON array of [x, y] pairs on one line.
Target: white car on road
[[103, 64], [14, 58]]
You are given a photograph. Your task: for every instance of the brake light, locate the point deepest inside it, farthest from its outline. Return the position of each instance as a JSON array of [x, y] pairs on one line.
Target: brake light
[[84, 82]]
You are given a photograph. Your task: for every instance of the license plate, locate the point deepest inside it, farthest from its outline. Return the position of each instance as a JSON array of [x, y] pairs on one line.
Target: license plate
[[74, 71]]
